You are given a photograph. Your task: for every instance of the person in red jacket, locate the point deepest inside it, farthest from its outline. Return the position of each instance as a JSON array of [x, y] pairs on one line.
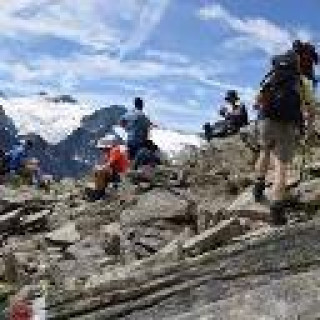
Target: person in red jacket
[[114, 165]]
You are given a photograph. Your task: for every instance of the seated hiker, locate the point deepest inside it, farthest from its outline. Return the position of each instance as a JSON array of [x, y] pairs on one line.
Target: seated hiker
[[18, 162], [34, 172], [236, 115], [3, 166], [137, 125], [283, 112], [114, 164], [146, 160]]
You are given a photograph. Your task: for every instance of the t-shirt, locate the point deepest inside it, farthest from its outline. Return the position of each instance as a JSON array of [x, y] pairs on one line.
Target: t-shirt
[[118, 159], [238, 117], [137, 125]]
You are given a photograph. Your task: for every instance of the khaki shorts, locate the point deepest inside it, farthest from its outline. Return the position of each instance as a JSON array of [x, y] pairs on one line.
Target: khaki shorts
[[279, 137]]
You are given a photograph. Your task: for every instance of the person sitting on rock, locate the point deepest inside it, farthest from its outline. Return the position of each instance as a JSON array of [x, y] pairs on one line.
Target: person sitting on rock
[[146, 160], [18, 162], [3, 165], [115, 163], [235, 115]]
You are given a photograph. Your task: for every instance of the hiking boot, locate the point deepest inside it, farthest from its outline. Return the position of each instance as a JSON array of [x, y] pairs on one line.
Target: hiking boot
[[92, 195], [258, 190], [278, 214]]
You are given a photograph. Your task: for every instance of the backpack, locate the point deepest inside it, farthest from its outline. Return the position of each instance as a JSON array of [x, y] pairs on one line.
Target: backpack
[[279, 95], [308, 59]]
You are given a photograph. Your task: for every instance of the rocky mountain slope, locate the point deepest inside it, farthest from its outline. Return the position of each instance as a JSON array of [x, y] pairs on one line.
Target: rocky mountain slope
[[65, 131], [193, 245]]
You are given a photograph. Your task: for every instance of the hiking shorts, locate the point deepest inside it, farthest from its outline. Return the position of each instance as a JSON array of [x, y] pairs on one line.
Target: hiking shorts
[[279, 137]]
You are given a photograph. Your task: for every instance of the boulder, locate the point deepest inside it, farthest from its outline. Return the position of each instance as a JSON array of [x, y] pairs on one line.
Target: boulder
[[309, 193], [64, 236], [36, 220], [214, 237], [245, 206], [157, 204], [10, 220], [87, 248]]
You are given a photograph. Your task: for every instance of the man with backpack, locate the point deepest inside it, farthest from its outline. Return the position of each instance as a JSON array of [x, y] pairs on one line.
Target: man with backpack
[[137, 125], [283, 111]]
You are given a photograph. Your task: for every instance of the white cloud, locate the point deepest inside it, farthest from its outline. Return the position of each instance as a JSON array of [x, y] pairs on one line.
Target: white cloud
[[167, 56], [120, 26], [150, 16], [254, 32]]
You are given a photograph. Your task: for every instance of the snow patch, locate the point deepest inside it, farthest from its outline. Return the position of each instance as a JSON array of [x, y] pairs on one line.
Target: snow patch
[[52, 121]]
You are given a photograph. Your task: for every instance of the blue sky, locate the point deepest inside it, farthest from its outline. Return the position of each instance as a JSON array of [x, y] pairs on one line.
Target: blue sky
[[180, 55]]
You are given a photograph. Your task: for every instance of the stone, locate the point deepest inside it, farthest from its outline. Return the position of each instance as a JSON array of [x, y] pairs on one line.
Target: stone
[[210, 213], [11, 268], [309, 193], [157, 205], [245, 206], [10, 220], [38, 218], [212, 238], [292, 297], [87, 248], [64, 236]]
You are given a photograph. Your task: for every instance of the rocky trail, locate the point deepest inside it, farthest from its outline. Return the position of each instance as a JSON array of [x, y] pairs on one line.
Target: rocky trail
[[193, 245]]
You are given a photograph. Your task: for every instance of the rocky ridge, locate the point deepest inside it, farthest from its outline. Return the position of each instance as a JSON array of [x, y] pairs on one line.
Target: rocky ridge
[[187, 246]]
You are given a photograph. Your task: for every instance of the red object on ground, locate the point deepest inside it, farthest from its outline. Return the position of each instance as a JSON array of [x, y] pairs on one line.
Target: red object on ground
[[21, 310]]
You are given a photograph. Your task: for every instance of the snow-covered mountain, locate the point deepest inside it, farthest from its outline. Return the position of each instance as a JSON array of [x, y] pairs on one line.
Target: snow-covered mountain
[[66, 131], [45, 116], [169, 141], [54, 120]]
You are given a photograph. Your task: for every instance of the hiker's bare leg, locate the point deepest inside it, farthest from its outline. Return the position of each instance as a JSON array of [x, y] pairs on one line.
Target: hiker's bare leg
[[263, 164], [280, 179], [100, 178]]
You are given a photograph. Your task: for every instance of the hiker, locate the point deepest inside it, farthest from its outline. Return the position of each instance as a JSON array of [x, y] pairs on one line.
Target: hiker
[[145, 163], [137, 126], [3, 166], [114, 164], [18, 163], [282, 113], [236, 116]]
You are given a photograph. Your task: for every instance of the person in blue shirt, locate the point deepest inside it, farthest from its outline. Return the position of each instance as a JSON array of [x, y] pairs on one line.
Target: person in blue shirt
[[137, 126], [18, 155]]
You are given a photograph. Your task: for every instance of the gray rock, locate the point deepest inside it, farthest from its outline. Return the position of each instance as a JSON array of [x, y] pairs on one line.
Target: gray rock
[[157, 205], [87, 248], [36, 219], [10, 220], [219, 235], [294, 297], [245, 206], [64, 236]]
